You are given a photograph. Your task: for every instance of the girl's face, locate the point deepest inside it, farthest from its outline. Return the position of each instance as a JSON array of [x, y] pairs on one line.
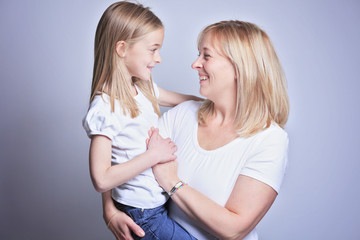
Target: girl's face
[[141, 57], [216, 72]]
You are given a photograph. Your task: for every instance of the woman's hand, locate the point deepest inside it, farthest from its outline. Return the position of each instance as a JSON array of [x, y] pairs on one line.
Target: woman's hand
[[162, 148], [121, 225], [166, 174]]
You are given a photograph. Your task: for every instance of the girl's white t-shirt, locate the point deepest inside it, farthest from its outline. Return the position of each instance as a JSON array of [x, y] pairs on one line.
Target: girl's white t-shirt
[[214, 173], [128, 138]]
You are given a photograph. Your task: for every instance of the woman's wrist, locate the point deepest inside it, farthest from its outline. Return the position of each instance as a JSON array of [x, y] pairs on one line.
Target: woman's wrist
[[171, 184], [175, 188]]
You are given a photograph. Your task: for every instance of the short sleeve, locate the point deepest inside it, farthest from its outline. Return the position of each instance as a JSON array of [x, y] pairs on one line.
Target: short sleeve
[[267, 162], [99, 120]]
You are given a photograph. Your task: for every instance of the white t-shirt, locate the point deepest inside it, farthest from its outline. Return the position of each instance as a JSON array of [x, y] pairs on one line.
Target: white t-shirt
[[128, 136], [215, 172]]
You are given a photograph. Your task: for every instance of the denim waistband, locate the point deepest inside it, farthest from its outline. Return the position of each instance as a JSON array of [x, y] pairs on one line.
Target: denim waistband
[[138, 213]]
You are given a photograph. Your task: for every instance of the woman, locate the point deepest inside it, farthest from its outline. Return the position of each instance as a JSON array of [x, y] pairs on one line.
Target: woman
[[232, 149]]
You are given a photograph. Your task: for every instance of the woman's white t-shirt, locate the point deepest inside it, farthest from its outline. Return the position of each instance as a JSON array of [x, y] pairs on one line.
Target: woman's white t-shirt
[[128, 138], [214, 173]]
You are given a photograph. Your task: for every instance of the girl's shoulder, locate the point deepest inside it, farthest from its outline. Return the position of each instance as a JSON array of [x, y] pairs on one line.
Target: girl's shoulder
[[100, 106], [100, 100]]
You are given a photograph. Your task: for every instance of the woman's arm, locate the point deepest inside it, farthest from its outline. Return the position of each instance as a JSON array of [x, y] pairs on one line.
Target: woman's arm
[[105, 177], [170, 99], [246, 206]]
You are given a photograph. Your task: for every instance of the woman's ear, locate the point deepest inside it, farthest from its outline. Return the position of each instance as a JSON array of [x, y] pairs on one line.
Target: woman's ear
[[120, 48]]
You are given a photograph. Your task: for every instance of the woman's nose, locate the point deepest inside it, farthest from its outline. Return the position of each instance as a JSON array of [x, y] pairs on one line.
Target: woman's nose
[[197, 64]]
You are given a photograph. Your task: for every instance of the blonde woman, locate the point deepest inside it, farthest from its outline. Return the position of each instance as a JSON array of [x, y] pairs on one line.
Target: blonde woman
[[123, 106], [232, 148]]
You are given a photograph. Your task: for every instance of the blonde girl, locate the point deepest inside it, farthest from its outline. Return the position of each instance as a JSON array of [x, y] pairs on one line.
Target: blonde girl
[[124, 105]]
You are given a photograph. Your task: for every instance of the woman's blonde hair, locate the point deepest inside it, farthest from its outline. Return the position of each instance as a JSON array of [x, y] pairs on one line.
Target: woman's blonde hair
[[261, 85], [129, 22]]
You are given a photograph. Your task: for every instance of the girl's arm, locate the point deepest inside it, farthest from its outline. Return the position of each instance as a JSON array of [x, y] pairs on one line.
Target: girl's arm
[[120, 224], [246, 206], [170, 99], [105, 177]]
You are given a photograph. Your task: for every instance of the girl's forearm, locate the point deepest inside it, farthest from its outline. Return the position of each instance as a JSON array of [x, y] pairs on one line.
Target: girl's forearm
[[118, 174]]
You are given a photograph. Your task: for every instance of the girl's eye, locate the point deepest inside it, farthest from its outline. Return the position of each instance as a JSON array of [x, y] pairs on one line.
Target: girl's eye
[[153, 50]]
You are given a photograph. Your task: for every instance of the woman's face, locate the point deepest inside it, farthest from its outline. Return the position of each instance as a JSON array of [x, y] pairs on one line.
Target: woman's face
[[216, 72]]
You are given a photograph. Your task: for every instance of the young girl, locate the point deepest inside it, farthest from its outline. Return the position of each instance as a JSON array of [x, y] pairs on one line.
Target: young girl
[[123, 107]]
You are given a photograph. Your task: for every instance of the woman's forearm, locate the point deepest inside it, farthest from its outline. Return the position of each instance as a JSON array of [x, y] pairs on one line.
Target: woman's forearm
[[214, 218], [246, 206]]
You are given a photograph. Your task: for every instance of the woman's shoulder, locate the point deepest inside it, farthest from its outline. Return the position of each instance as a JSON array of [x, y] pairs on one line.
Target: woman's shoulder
[[274, 133], [187, 106], [182, 113]]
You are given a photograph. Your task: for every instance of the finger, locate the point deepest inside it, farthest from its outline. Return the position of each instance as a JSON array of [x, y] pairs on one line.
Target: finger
[[113, 230], [155, 133], [151, 130], [127, 234], [136, 229]]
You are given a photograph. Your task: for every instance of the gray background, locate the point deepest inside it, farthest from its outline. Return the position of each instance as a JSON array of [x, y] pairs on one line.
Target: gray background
[[46, 57]]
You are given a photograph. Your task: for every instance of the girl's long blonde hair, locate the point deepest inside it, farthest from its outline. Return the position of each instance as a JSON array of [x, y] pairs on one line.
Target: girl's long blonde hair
[[261, 85], [129, 22]]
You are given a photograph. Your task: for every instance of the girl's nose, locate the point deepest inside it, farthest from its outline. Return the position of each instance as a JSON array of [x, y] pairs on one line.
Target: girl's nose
[[158, 58]]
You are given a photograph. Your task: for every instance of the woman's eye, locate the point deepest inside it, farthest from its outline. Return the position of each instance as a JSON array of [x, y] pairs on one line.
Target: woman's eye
[[207, 56]]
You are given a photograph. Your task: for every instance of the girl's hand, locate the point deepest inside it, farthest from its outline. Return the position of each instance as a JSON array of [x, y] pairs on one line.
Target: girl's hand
[[163, 149], [121, 225], [166, 174]]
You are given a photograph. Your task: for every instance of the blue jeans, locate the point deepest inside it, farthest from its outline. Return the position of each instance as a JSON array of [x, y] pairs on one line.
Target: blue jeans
[[156, 223]]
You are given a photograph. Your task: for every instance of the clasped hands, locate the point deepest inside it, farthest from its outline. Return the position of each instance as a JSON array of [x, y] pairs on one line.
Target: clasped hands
[[165, 171]]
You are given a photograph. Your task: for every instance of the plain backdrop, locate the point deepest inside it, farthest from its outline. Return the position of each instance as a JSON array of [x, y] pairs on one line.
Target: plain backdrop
[[46, 57]]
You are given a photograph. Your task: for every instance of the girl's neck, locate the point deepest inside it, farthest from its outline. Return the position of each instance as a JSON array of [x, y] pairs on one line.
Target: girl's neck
[[133, 89]]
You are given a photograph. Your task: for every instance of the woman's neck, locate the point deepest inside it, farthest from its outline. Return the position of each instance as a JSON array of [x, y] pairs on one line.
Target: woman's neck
[[224, 113]]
